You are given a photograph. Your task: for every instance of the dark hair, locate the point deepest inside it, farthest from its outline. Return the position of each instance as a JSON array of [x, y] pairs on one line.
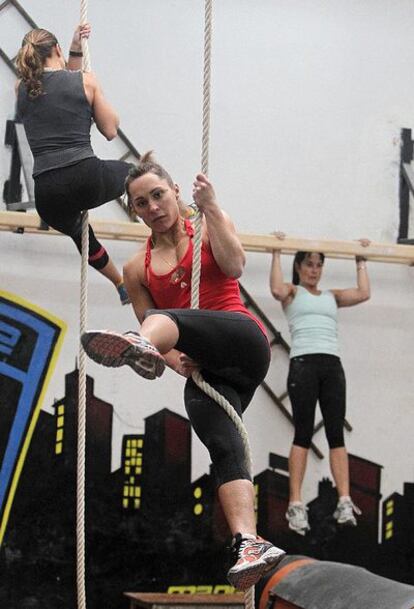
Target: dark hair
[[36, 47], [298, 259], [147, 164]]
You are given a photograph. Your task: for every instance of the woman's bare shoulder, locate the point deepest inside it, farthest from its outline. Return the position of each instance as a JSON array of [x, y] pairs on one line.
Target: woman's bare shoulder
[[136, 264]]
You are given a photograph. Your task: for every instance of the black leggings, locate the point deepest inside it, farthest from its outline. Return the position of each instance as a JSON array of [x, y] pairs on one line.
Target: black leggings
[[62, 194], [234, 357], [312, 378]]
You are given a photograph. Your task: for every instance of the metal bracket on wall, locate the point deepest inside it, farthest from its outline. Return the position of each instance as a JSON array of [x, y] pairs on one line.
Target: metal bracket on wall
[[406, 186], [21, 160]]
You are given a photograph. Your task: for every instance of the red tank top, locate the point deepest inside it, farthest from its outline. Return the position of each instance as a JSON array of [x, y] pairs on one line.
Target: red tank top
[[217, 291]]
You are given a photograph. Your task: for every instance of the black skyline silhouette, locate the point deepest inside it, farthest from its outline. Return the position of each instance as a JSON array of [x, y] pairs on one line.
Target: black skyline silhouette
[[148, 526]]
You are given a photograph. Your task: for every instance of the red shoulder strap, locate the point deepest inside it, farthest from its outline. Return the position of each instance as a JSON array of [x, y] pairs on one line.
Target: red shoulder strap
[[189, 229], [148, 253]]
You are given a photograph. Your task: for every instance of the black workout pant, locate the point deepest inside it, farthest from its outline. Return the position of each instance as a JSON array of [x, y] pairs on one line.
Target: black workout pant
[[234, 357], [62, 194], [312, 378]]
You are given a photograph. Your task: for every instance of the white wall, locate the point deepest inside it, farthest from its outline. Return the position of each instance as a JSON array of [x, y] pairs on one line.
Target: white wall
[[308, 100]]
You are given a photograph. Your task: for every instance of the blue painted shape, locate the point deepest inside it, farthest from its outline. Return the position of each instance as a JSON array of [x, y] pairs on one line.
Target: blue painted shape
[[9, 337], [30, 379]]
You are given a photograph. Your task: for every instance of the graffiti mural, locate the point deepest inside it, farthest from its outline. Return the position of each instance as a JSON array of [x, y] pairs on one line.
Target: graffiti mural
[[30, 339], [149, 526]]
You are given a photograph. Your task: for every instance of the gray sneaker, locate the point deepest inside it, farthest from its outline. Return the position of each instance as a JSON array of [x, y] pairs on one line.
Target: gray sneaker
[[130, 349], [297, 516], [344, 513]]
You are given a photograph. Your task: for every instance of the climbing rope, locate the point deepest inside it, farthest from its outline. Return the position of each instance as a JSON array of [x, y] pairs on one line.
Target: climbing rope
[[196, 266], [81, 448], [195, 283], [205, 140]]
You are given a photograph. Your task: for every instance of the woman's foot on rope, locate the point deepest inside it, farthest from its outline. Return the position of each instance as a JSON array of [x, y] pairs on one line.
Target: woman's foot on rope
[[123, 294], [130, 349], [254, 557]]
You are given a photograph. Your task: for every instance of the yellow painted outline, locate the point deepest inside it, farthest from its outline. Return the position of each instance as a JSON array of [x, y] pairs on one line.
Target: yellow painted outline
[[36, 411]]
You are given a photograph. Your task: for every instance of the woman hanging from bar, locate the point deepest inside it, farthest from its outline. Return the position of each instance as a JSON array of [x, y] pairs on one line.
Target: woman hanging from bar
[[57, 102], [316, 373]]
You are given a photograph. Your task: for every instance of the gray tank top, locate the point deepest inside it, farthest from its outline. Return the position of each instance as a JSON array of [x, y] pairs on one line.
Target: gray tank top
[[57, 122]]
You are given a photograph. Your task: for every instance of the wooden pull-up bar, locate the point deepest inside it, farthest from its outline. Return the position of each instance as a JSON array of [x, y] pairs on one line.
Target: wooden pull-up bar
[[130, 231], [378, 252]]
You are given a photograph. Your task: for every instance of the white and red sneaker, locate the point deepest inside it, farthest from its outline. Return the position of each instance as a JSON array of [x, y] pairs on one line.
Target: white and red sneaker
[[255, 556], [129, 349]]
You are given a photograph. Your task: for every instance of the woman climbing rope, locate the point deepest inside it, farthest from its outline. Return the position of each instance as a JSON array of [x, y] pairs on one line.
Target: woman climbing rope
[[56, 103], [222, 339], [316, 372]]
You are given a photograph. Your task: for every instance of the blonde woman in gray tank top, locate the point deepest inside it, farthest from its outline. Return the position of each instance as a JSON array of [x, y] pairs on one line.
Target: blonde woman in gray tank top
[[316, 373], [57, 102]]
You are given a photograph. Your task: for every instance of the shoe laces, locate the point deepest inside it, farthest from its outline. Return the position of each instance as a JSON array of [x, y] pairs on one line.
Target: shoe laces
[[240, 543], [132, 334], [140, 340]]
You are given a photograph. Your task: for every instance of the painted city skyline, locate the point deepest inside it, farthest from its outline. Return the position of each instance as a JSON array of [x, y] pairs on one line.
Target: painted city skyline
[[149, 512]]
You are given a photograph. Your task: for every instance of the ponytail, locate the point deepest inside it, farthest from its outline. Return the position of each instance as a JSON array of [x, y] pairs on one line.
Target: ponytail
[[36, 47]]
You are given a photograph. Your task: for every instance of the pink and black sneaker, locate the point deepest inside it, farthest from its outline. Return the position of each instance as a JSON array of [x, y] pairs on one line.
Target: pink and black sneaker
[[129, 349], [255, 556]]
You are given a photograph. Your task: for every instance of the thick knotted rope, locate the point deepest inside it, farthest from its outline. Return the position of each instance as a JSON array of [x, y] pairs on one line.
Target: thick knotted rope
[[196, 267], [81, 448]]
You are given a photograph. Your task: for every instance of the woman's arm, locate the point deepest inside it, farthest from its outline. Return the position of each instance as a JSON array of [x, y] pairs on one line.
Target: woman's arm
[[353, 296], [105, 117], [284, 292], [225, 244], [75, 59], [134, 277]]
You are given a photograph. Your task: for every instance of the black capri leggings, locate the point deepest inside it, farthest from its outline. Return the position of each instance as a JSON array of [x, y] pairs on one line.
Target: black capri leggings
[[234, 356], [312, 378], [62, 194]]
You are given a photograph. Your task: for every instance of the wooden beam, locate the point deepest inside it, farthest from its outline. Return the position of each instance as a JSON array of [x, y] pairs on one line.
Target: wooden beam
[[30, 223], [132, 231], [378, 252]]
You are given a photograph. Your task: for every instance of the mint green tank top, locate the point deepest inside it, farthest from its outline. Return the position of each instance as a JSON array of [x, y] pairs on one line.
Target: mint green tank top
[[312, 323]]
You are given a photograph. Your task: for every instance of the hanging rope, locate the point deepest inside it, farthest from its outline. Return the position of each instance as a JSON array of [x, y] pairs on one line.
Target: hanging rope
[[196, 266], [81, 448], [195, 283], [205, 139]]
